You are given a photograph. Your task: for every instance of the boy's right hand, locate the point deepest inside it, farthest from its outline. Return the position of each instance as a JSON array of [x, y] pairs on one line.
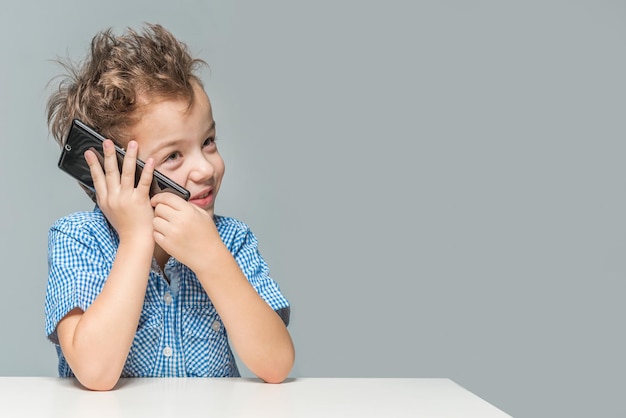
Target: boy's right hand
[[126, 207]]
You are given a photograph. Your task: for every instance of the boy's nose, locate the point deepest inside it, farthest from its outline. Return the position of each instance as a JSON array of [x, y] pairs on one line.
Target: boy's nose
[[202, 170]]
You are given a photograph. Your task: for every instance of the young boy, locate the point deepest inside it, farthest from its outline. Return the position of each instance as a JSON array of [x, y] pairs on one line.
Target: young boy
[[155, 287]]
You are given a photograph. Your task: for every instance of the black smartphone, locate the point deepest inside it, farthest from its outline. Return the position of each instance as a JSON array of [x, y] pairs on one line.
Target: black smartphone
[[81, 138]]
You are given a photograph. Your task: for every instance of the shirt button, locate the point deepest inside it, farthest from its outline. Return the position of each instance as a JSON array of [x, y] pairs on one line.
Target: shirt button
[[167, 298], [216, 325], [167, 351]]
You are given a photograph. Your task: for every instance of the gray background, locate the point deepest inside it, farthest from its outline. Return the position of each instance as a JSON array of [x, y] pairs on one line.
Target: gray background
[[438, 186]]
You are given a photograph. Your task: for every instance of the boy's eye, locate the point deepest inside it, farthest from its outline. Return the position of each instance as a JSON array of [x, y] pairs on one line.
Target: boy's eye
[[173, 156], [207, 142]]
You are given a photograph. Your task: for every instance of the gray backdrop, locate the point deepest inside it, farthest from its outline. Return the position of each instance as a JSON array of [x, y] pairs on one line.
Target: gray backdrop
[[438, 186]]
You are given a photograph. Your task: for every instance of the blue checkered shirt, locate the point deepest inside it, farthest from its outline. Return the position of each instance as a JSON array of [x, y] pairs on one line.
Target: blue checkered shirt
[[179, 332]]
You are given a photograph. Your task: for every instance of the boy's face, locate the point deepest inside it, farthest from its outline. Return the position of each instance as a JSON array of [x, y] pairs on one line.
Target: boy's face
[[182, 142]]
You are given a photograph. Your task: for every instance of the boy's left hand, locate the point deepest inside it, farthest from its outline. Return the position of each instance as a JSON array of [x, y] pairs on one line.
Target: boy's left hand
[[182, 229]]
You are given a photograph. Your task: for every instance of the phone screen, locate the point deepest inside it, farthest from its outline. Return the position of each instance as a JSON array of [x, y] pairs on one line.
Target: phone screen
[[72, 160]]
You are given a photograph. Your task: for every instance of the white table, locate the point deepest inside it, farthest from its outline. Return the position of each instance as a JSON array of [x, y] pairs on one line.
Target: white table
[[243, 397]]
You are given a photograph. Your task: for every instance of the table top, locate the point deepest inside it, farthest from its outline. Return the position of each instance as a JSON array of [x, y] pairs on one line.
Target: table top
[[243, 397]]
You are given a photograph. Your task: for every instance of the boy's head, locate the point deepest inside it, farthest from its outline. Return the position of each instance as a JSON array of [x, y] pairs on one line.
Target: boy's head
[[143, 86], [118, 79]]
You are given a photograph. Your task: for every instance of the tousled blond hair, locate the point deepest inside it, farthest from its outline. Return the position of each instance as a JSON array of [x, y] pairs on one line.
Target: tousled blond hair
[[120, 76]]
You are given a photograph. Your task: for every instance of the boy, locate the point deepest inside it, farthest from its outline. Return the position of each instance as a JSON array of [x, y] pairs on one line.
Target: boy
[[155, 287]]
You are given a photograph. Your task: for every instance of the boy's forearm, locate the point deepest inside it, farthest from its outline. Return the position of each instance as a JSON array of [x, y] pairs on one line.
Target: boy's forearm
[[258, 334], [97, 344]]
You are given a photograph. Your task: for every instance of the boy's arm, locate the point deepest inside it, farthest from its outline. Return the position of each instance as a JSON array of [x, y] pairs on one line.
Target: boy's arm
[[258, 334], [96, 342]]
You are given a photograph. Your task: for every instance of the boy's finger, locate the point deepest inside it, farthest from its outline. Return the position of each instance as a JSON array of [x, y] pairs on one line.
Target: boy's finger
[[145, 181], [111, 167], [129, 166], [165, 211], [166, 198], [95, 168]]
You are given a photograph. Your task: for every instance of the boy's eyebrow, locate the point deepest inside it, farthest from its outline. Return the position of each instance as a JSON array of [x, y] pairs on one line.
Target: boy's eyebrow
[[174, 142], [211, 128]]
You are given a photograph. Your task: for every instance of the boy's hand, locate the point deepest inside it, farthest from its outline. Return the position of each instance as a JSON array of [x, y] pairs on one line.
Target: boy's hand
[[183, 230], [126, 207]]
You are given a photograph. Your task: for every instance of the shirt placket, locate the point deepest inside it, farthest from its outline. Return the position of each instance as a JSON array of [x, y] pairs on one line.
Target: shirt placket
[[172, 351]]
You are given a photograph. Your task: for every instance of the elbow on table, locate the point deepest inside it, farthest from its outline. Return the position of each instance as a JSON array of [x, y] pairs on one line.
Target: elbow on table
[[98, 382], [98, 385], [275, 378], [277, 371]]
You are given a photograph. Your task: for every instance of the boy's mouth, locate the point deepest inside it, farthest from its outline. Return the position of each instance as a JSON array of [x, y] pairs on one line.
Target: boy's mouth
[[203, 199]]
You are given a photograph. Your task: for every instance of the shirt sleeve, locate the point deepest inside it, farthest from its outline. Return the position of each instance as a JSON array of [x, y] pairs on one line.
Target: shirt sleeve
[[76, 274], [246, 252]]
